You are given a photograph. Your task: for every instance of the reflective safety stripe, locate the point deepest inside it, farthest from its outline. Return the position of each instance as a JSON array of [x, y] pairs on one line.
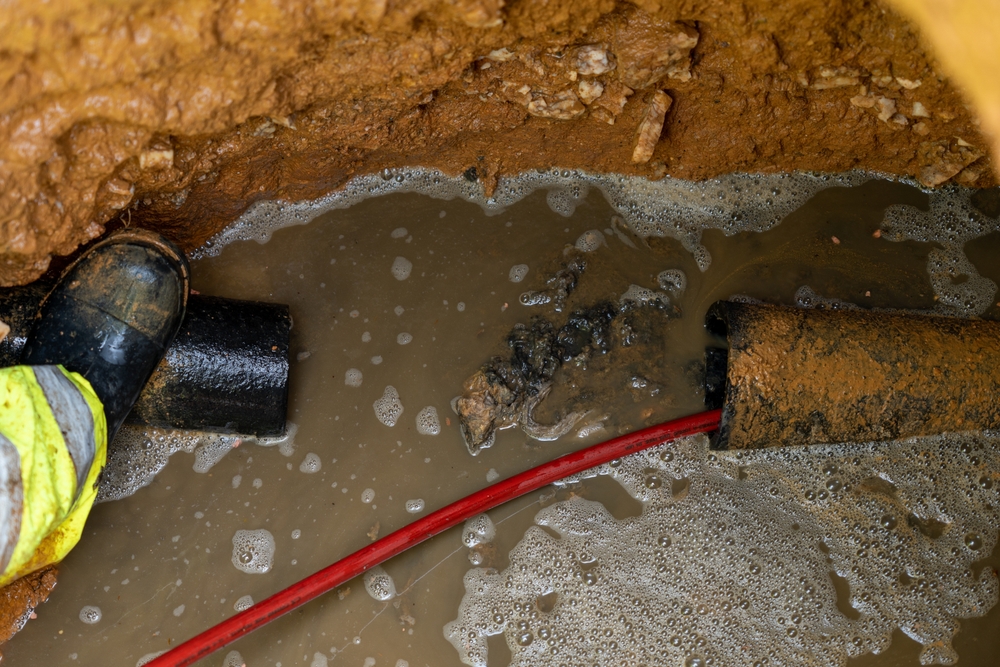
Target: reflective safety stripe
[[51, 474], [11, 499], [72, 413]]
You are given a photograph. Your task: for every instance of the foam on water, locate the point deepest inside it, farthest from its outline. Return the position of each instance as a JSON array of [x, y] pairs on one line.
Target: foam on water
[[253, 551], [90, 614], [388, 408], [149, 657], [401, 268], [311, 463], [478, 530], [404, 338], [243, 603], [428, 422], [211, 450], [590, 240], [517, 273], [672, 208], [379, 584], [353, 377], [415, 506], [730, 562], [233, 659]]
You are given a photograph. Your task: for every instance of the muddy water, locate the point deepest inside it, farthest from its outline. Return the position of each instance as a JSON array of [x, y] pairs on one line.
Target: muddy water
[[159, 564]]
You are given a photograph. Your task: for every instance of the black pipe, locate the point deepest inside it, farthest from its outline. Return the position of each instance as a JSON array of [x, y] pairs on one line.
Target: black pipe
[[226, 371]]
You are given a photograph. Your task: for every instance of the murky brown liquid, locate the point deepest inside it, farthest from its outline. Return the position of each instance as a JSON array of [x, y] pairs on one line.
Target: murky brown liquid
[[158, 564]]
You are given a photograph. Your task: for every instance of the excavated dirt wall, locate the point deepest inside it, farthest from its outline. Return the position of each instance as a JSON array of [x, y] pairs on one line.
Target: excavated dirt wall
[[178, 114]]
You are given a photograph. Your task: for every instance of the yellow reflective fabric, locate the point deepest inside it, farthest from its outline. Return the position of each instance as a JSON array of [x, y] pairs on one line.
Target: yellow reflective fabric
[[51, 523]]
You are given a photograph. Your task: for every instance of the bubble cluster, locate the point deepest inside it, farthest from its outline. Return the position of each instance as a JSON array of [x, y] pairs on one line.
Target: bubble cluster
[[243, 603], [212, 449], [428, 422], [478, 530], [733, 558], [234, 659], [590, 240], [401, 268], [414, 506], [90, 614], [253, 551], [379, 584], [149, 657], [642, 296], [672, 280], [388, 408], [517, 273], [673, 208], [404, 338], [367, 496], [399, 233], [311, 463], [353, 377]]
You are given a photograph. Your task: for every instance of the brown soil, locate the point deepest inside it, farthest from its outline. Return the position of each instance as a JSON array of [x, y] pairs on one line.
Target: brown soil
[[18, 600], [178, 114]]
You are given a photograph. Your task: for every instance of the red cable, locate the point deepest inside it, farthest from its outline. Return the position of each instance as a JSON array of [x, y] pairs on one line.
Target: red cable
[[422, 529]]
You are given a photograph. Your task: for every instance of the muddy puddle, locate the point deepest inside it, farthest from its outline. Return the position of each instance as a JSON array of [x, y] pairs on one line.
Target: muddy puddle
[[416, 293]]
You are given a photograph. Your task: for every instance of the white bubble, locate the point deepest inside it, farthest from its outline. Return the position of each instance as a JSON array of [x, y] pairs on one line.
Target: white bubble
[[310, 464], [244, 602], [149, 657], [399, 232], [257, 482], [460, 306], [211, 450], [401, 268], [404, 338], [672, 280], [367, 496], [236, 481], [643, 296], [428, 422], [478, 530], [319, 660], [353, 377], [379, 584], [590, 240], [517, 273], [415, 505], [377, 359], [179, 610], [90, 614], [492, 475], [388, 408], [402, 663], [234, 659], [296, 534], [366, 337], [399, 310], [253, 551]]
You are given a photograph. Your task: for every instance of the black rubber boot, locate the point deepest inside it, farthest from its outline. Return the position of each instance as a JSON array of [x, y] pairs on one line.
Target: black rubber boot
[[112, 316]]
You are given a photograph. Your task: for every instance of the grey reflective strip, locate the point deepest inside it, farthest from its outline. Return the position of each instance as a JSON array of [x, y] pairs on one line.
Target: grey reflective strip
[[72, 413], [11, 500]]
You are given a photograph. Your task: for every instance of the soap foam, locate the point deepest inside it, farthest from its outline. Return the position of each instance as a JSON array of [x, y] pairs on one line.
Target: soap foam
[[243, 603], [478, 530], [311, 463], [730, 562], [517, 273]]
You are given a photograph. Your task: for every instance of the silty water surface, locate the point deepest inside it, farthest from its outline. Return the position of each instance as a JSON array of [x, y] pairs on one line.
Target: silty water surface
[[396, 301]]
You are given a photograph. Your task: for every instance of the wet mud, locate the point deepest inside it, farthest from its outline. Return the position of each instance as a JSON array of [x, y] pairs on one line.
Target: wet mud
[[161, 565], [178, 115]]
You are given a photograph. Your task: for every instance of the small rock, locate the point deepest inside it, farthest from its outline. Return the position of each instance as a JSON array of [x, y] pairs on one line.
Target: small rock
[[651, 127]]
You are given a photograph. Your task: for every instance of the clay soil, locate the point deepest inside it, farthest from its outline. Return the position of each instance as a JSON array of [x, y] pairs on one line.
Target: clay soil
[[178, 114]]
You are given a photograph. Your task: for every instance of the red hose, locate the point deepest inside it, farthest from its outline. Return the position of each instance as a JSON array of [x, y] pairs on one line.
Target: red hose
[[424, 528]]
